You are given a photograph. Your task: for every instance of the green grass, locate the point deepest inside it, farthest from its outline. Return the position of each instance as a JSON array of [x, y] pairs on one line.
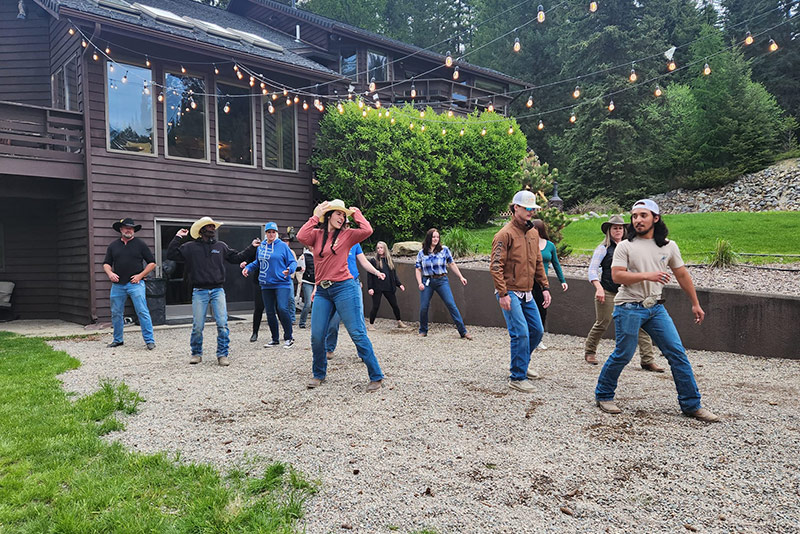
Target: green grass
[[771, 232], [57, 475]]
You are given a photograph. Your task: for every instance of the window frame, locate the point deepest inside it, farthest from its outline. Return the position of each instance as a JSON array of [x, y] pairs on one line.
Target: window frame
[[207, 124], [154, 153], [387, 77], [354, 76], [54, 90], [253, 125], [296, 155]]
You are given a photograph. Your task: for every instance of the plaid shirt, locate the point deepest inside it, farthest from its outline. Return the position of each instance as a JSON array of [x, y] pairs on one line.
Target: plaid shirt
[[431, 264]]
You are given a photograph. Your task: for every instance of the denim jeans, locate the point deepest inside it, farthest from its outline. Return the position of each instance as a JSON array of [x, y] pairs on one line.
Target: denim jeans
[[332, 337], [119, 294], [342, 297], [201, 298], [525, 329], [307, 290], [628, 319], [278, 299], [442, 287]]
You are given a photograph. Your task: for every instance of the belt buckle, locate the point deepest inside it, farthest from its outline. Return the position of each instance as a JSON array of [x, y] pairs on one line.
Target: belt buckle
[[650, 301], [325, 284]]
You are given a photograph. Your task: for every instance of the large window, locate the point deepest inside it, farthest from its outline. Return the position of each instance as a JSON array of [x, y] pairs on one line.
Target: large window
[[377, 66], [64, 85], [234, 125], [185, 115], [348, 63], [130, 108], [279, 137]]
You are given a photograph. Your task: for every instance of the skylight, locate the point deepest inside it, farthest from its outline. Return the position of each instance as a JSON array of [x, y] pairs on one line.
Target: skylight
[[118, 5], [256, 40], [162, 15], [212, 29]]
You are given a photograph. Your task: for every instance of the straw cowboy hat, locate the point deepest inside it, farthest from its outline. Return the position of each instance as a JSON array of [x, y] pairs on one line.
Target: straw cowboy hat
[[614, 219], [336, 205], [127, 221], [198, 225]]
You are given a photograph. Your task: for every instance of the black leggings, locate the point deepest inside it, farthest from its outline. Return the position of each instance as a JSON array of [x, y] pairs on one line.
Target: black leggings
[[538, 297], [258, 308], [376, 303]]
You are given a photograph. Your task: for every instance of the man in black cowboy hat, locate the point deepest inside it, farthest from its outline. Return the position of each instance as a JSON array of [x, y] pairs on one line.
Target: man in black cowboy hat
[[123, 266]]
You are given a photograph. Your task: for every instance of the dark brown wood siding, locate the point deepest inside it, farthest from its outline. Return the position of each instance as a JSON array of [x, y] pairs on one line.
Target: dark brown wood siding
[[73, 258], [24, 55]]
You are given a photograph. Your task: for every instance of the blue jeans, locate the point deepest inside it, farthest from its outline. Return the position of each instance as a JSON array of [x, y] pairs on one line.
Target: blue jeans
[[307, 290], [119, 294], [442, 287], [342, 297], [201, 298], [525, 329], [332, 337], [278, 298], [628, 319]]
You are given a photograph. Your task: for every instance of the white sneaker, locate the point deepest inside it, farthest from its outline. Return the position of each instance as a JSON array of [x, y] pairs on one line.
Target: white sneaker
[[541, 346], [288, 343], [526, 386]]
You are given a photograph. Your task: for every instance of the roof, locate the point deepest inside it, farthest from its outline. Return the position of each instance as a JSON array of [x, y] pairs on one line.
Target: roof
[[199, 22], [336, 26]]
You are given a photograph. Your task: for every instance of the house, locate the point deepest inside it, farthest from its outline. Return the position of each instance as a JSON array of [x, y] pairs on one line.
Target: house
[[169, 110]]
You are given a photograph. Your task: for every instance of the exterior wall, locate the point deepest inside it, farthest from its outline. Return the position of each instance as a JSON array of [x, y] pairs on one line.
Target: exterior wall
[[24, 55], [73, 258]]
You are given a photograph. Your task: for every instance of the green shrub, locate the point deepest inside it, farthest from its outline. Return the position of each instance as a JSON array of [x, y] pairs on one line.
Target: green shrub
[[459, 241], [709, 178], [598, 204], [723, 255]]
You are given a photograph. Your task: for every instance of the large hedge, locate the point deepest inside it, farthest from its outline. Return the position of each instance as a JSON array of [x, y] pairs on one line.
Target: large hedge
[[405, 179]]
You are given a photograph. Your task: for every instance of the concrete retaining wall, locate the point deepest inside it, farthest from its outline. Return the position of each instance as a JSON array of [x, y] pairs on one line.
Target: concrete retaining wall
[[745, 323]]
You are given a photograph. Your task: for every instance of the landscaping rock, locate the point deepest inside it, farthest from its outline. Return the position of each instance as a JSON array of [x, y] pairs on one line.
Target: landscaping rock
[[406, 248]]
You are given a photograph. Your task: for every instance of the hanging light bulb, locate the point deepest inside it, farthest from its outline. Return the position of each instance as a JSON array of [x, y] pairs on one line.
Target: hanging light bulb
[[111, 67], [422, 114], [271, 108], [483, 131], [285, 92], [321, 107], [450, 113], [773, 46], [510, 130], [573, 118], [108, 50], [633, 77], [264, 91], [377, 104], [577, 92], [216, 70], [340, 108], [461, 133], [372, 85], [611, 105], [236, 67], [448, 60], [706, 69], [671, 65], [147, 62], [84, 43], [422, 128], [748, 39], [360, 103], [305, 105], [146, 89], [455, 71], [296, 99], [540, 126], [540, 15], [517, 45], [444, 131], [387, 112], [364, 113], [490, 109], [413, 91], [658, 91], [183, 69], [392, 121], [592, 6], [529, 103], [274, 96], [252, 81], [71, 31], [160, 97], [239, 74], [411, 126], [288, 101], [263, 85], [125, 77], [227, 108]]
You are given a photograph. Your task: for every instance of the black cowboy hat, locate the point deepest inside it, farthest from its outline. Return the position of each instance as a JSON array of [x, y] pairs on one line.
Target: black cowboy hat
[[127, 221]]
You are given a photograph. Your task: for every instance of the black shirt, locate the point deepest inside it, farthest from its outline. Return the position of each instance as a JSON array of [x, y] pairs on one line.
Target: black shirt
[[204, 260], [605, 275], [128, 259]]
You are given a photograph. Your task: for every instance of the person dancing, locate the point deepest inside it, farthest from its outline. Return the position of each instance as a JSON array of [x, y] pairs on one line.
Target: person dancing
[[385, 287]]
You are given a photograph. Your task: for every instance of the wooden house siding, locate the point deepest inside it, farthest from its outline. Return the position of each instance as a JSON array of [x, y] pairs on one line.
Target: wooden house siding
[[24, 55]]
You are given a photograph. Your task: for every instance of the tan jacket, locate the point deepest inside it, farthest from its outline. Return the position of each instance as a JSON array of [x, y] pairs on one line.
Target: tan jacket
[[516, 259]]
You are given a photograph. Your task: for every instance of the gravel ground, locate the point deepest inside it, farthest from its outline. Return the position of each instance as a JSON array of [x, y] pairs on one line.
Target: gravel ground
[[447, 446]]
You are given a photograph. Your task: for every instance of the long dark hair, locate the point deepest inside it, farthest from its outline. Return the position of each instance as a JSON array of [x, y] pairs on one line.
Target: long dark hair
[[541, 227], [426, 245], [325, 238], [660, 231]]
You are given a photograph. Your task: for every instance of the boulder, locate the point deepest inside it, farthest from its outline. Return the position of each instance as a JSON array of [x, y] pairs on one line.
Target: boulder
[[406, 248]]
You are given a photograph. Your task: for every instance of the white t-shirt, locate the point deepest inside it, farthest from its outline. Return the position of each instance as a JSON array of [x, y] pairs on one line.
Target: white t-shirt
[[641, 256]]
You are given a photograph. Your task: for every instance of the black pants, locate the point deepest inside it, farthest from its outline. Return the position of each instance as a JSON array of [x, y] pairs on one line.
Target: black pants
[[376, 303], [538, 297], [258, 310]]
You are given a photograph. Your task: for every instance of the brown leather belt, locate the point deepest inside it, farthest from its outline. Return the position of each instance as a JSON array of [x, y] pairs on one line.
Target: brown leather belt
[[438, 275]]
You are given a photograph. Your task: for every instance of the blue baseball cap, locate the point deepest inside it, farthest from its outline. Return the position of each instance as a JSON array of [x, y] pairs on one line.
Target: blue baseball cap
[[270, 226]]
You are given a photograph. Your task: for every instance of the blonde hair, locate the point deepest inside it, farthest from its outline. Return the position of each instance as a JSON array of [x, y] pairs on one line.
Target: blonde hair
[[386, 254]]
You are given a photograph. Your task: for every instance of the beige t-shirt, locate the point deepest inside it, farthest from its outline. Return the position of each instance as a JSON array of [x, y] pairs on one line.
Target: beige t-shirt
[[641, 256]]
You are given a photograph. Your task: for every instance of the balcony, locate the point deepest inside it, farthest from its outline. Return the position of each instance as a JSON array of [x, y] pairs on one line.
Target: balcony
[[441, 94], [41, 142]]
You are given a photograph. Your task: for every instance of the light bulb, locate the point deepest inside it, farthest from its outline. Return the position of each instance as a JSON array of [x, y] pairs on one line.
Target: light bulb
[[413, 91], [455, 71], [360, 104], [236, 67], [422, 114], [372, 85], [227, 107], [450, 113], [239, 74], [411, 126], [72, 31], [490, 109], [748, 39], [422, 128], [377, 104], [296, 99], [264, 91], [111, 67], [161, 97], [540, 15], [340, 107], [145, 89], [573, 118], [84, 43], [658, 91], [592, 6], [540, 126], [671, 65], [444, 131], [216, 70], [274, 96], [517, 45], [461, 133], [706, 69], [773, 46], [510, 130], [183, 69], [483, 131], [285, 92], [271, 108], [392, 121], [263, 85], [611, 105], [321, 108], [577, 92], [125, 77], [364, 113], [305, 105], [633, 77], [448, 60], [252, 81], [317, 103], [108, 50], [380, 114], [529, 103], [147, 62], [288, 101]]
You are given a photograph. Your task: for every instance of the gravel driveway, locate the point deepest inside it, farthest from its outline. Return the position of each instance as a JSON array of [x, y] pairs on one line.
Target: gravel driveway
[[447, 446]]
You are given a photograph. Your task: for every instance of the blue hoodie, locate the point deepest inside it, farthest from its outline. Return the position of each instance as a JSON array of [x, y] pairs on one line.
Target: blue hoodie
[[274, 258]]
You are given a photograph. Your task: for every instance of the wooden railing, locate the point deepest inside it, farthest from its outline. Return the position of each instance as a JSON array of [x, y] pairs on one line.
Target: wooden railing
[[45, 135], [433, 90]]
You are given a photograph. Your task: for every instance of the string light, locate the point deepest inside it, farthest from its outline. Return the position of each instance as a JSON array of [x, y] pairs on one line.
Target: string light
[[288, 101], [748, 39], [125, 77], [271, 108], [275, 97], [422, 128], [413, 91], [517, 45], [510, 130], [239, 74], [573, 118], [340, 108], [448, 60], [461, 133], [377, 104], [227, 108], [71, 31], [108, 50], [147, 62], [216, 70], [577, 92], [296, 99], [611, 105], [84, 44], [360, 103], [183, 69], [633, 77], [658, 91], [161, 97], [450, 113], [392, 121], [592, 6], [490, 109], [264, 91], [483, 131], [773, 46], [422, 114], [540, 126], [321, 108], [252, 81], [236, 67], [529, 103], [455, 71], [305, 105], [671, 65], [444, 131], [372, 85], [146, 89], [540, 15], [411, 126], [285, 92], [364, 113], [317, 103], [706, 69]]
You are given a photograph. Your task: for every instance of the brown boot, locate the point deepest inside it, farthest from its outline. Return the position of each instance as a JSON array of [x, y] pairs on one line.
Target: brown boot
[[653, 367], [590, 358]]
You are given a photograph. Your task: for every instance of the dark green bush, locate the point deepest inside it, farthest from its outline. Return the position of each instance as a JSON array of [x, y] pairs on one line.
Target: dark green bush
[[709, 178]]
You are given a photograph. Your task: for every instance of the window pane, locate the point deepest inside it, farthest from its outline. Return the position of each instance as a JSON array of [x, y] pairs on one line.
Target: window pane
[[235, 128], [59, 89], [377, 66], [279, 141], [186, 116], [130, 108], [71, 77], [348, 65]]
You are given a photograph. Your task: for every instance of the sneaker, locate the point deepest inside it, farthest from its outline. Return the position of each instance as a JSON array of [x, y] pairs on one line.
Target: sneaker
[[288, 343], [254, 338], [423, 334], [115, 344], [150, 346], [541, 346], [526, 386], [609, 407], [301, 326], [196, 358], [704, 414], [329, 355], [223, 361], [273, 343], [401, 324], [315, 383], [467, 336], [531, 374], [374, 386], [591, 358]]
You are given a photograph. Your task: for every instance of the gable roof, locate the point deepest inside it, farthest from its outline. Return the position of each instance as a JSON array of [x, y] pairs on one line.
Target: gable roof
[[202, 23], [334, 26]]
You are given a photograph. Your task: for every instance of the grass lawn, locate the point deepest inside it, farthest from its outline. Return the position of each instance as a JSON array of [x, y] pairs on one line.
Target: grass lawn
[[57, 475]]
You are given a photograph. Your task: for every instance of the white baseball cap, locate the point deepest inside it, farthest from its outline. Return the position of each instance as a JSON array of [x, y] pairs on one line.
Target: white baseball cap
[[525, 199], [646, 203]]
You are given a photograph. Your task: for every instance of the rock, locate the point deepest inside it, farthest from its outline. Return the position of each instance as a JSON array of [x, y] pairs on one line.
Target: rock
[[406, 248]]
